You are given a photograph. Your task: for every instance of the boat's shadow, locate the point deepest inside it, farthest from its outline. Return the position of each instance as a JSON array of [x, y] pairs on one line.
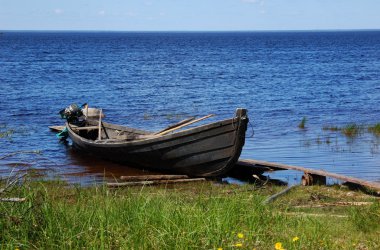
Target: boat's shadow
[[93, 166]]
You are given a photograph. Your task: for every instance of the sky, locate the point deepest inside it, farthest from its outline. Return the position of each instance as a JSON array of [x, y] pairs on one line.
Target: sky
[[189, 15]]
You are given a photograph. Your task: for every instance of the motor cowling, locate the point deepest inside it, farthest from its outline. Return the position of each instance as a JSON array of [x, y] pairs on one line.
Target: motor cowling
[[72, 113]]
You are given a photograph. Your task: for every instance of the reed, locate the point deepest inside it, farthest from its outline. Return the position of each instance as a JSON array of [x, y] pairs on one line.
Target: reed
[[147, 116], [328, 140], [205, 216], [351, 130], [302, 124], [8, 133], [375, 129], [331, 128], [318, 140]]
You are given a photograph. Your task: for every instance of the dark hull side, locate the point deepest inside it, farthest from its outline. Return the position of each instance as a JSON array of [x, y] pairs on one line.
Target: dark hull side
[[209, 150]]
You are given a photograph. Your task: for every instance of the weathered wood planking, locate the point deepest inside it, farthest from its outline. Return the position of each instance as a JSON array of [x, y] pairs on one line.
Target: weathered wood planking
[[153, 177], [57, 128], [204, 151], [176, 125], [280, 166], [12, 199], [184, 125], [60, 128], [156, 182]]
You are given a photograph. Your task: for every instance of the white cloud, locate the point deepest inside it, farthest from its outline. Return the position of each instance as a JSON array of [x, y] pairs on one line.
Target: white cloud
[[131, 14], [249, 1], [58, 11], [260, 2]]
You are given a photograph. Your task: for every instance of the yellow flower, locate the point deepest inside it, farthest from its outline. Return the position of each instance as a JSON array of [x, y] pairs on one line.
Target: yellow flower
[[238, 245], [278, 246], [219, 248], [240, 235], [295, 239]]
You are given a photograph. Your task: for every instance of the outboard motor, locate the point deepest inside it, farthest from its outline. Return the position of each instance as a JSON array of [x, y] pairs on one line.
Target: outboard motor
[[72, 113]]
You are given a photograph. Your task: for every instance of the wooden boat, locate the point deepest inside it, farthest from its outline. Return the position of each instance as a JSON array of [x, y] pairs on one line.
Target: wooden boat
[[206, 150]]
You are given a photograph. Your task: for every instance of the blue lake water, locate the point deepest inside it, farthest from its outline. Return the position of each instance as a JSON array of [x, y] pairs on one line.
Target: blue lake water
[[150, 80]]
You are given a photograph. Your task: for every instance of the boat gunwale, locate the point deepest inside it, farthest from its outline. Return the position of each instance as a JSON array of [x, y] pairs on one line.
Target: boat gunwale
[[182, 133]]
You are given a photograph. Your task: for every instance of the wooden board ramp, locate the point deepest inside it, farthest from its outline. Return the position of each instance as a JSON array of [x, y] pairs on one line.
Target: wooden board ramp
[[311, 176]]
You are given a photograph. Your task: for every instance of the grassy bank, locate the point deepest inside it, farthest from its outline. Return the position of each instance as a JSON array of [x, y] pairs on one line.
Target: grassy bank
[[201, 216]]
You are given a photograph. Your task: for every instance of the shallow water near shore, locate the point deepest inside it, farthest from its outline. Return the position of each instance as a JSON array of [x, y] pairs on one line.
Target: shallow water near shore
[[151, 80]]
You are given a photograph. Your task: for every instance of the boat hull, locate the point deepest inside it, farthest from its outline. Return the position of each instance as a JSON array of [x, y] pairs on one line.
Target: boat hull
[[208, 150]]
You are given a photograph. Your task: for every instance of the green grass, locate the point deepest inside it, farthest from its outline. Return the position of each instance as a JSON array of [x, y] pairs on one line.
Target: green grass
[[202, 216], [366, 220]]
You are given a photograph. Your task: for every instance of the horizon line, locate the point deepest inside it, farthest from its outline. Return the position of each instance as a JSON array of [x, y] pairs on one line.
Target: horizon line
[[184, 31]]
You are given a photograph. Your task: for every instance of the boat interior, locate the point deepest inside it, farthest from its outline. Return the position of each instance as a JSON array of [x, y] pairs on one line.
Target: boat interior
[[109, 132]]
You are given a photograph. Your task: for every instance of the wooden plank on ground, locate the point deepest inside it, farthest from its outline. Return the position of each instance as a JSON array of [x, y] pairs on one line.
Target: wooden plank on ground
[[12, 199], [153, 177], [156, 182], [314, 215], [280, 166], [336, 204], [275, 196]]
